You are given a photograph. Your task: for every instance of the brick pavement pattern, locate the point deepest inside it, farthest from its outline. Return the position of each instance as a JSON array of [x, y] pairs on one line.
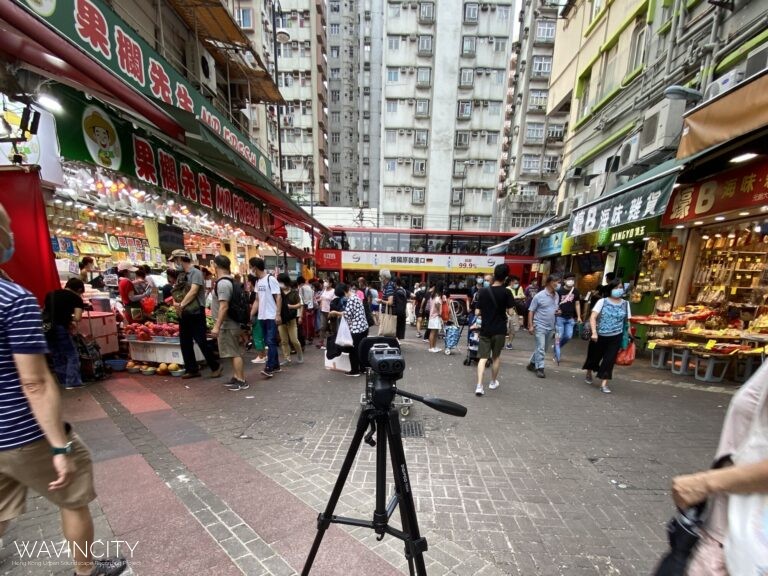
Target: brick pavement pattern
[[542, 477]]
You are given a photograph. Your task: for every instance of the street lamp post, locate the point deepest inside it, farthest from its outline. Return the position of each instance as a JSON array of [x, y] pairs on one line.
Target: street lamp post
[[278, 37]]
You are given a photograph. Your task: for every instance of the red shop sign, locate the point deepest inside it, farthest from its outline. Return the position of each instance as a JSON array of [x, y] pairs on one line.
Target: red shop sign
[[328, 259], [738, 188]]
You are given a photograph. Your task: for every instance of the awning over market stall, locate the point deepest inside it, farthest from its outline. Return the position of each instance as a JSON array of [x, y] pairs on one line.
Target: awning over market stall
[[501, 247]]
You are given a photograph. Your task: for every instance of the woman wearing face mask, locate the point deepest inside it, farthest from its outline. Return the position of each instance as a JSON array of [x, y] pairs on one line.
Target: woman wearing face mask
[[326, 297], [290, 319], [607, 322]]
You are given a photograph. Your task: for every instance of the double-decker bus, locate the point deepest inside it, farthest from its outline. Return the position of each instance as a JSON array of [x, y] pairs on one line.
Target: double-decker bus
[[454, 257]]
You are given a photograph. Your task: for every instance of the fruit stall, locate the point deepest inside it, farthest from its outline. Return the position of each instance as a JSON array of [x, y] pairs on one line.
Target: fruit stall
[[156, 343]]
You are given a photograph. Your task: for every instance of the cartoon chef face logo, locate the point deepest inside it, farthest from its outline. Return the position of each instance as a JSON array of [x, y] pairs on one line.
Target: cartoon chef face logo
[[101, 138], [43, 7]]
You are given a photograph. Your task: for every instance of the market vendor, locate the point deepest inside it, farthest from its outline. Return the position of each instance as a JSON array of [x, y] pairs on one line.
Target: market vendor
[[86, 266], [128, 296]]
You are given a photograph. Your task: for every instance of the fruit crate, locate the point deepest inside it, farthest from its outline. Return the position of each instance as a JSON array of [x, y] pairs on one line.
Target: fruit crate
[[159, 352]]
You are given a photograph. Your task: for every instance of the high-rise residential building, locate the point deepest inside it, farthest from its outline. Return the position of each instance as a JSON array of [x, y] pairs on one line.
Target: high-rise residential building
[[302, 80], [432, 92], [613, 65], [343, 48], [533, 139]]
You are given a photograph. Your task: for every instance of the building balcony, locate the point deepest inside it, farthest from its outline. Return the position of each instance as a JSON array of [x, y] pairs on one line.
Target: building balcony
[[536, 108], [533, 140], [555, 139]]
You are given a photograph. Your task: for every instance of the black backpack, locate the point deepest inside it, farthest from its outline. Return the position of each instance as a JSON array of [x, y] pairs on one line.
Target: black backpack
[[239, 306], [400, 301]]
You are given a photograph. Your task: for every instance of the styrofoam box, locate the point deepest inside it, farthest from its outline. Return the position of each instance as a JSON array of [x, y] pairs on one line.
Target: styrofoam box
[[340, 363], [97, 324], [159, 352], [108, 344]]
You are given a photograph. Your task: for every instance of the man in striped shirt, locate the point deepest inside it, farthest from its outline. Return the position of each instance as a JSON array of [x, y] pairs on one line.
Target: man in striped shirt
[[37, 450]]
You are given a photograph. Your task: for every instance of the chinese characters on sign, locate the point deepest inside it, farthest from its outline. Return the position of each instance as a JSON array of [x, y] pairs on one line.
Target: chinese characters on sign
[[738, 188], [404, 261], [643, 202]]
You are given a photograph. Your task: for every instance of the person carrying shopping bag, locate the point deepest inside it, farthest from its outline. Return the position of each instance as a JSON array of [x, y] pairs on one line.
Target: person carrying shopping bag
[[607, 324]]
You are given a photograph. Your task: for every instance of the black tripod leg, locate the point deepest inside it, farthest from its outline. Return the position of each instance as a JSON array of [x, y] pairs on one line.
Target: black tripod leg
[[324, 519], [415, 545]]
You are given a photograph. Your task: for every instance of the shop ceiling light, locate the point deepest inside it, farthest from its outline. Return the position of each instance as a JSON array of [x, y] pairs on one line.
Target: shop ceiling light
[[744, 213], [746, 157], [50, 103], [705, 237], [698, 222], [719, 218], [758, 229], [718, 235], [617, 244], [680, 226]]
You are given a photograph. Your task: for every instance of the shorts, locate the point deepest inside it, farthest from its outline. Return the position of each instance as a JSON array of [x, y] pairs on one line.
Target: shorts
[[31, 466], [491, 346], [230, 343], [435, 323]]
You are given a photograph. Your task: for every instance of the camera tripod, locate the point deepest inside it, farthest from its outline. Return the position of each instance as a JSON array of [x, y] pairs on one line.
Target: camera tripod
[[382, 419]]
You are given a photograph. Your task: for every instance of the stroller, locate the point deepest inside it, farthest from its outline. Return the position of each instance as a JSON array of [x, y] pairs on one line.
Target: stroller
[[473, 346]]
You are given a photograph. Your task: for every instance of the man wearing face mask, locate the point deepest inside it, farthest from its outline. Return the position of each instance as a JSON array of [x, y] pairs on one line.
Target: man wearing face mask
[[541, 322], [37, 450], [569, 312], [189, 296]]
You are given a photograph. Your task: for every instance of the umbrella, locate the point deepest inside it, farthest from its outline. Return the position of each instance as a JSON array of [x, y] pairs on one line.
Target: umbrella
[[683, 531]]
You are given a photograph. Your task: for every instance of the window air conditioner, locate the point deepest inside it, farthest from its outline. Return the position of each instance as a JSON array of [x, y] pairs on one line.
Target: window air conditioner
[[574, 173], [484, 133], [400, 160], [662, 125], [408, 160], [411, 102], [722, 84], [401, 132], [399, 190], [409, 132], [475, 134], [628, 156], [413, 37], [757, 60]]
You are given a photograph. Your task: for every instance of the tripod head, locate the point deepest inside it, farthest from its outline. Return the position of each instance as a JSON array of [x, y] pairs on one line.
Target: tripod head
[[384, 364]]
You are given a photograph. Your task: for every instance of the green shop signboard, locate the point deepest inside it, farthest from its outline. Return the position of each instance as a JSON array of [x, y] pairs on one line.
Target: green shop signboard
[[610, 236], [102, 34], [87, 132]]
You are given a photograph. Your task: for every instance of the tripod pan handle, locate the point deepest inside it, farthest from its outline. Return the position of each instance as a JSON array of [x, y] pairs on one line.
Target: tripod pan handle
[[445, 406]]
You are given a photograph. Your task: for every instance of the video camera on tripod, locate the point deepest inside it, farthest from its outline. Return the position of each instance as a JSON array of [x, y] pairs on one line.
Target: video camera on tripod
[[384, 364]]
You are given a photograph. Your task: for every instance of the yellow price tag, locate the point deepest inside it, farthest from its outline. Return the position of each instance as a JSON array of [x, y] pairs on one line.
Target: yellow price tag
[[738, 276], [696, 330], [733, 291], [692, 345], [748, 259], [711, 344], [757, 350], [651, 345]]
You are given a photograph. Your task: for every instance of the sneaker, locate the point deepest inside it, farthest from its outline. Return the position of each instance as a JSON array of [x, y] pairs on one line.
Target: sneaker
[[238, 385], [230, 381], [268, 373], [605, 390], [588, 379], [508, 347], [285, 362], [262, 360], [322, 347], [189, 375], [540, 373], [353, 374], [300, 359], [494, 384], [418, 334], [217, 373], [530, 367], [108, 567], [435, 350], [276, 370], [73, 386], [479, 390]]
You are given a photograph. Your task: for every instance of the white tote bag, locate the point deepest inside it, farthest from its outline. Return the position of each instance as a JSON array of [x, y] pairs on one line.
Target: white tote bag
[[746, 548]]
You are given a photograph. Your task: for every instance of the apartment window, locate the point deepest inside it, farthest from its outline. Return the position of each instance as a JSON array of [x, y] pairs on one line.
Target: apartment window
[[306, 50], [284, 51], [307, 135], [335, 157], [465, 109], [545, 30], [486, 195], [531, 163], [499, 77], [417, 222], [334, 29], [494, 108], [529, 190], [244, 18], [306, 107], [502, 13], [467, 77], [584, 102], [419, 167], [421, 138], [417, 196], [285, 79], [394, 10], [426, 11], [335, 73], [422, 108], [542, 65], [551, 164], [335, 52], [391, 106], [425, 44], [637, 47], [393, 43], [468, 45], [390, 165], [391, 136], [537, 99], [489, 167], [470, 12], [304, 19], [492, 139], [500, 45], [335, 95], [457, 196], [556, 131], [608, 79], [335, 117], [334, 7], [423, 76], [335, 137], [597, 6], [393, 75], [336, 197], [337, 178], [534, 132], [462, 139]]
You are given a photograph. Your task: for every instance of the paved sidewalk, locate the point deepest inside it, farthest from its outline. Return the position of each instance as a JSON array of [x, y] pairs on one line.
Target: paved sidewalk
[[542, 477]]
